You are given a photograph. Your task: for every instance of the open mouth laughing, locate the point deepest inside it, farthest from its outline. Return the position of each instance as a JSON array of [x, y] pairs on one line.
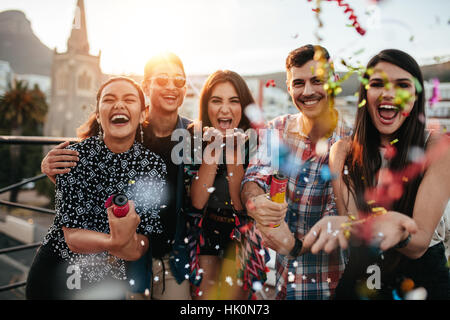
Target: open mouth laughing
[[387, 113], [225, 123], [120, 119]]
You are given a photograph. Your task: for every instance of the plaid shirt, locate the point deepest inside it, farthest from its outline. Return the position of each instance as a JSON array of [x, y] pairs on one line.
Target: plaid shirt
[[310, 197]]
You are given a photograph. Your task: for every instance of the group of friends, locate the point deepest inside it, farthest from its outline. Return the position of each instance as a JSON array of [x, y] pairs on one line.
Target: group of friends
[[200, 230]]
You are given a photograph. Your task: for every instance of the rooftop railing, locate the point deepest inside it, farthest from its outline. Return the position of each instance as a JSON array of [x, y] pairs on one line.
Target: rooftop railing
[[35, 141]]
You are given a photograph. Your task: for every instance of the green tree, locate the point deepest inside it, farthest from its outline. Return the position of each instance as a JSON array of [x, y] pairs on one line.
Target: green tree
[[20, 107]]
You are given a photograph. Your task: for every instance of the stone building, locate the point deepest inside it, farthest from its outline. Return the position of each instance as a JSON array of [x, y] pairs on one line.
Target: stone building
[[75, 78]]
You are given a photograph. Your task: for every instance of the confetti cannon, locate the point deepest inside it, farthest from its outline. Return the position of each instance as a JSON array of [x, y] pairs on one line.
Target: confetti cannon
[[278, 189], [120, 204]]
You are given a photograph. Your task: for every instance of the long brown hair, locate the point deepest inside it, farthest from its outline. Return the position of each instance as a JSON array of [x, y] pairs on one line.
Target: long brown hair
[[364, 160], [91, 127], [239, 84]]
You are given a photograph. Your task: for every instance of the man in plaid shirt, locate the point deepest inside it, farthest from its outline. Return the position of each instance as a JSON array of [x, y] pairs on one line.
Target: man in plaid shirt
[[308, 135]]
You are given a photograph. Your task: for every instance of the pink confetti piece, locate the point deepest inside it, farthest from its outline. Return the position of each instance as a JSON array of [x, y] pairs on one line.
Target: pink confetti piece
[[436, 95], [353, 18]]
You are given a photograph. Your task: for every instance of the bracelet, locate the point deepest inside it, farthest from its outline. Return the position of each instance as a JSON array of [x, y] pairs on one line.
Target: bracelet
[[295, 252], [403, 243]]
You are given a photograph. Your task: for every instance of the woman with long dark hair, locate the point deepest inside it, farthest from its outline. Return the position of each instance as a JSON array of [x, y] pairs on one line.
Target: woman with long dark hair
[[215, 186], [393, 184], [85, 252]]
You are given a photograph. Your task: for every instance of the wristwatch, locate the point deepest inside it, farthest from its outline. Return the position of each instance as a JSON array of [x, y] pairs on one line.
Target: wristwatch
[[403, 243], [295, 252]]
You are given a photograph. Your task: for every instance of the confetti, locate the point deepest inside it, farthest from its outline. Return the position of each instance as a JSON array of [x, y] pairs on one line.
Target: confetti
[[270, 83], [417, 84], [291, 277], [417, 294], [257, 286], [255, 115], [394, 141], [325, 173], [402, 97], [395, 295], [132, 282], [322, 147], [379, 209], [416, 154], [389, 152], [353, 18], [436, 95], [229, 280], [362, 103], [211, 190], [407, 285]]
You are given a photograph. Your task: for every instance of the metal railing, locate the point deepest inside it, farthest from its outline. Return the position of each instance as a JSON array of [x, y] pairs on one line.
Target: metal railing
[[26, 140]]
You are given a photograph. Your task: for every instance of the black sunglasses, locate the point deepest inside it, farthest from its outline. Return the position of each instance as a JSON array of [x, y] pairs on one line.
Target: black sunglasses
[[163, 79]]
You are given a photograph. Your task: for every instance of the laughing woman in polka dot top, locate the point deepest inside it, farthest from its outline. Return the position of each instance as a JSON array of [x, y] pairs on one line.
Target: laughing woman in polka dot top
[[84, 254]]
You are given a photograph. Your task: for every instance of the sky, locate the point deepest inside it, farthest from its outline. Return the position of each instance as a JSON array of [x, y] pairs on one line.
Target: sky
[[246, 36]]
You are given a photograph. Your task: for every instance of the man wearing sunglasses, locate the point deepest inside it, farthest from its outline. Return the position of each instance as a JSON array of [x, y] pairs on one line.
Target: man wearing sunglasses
[[164, 85]]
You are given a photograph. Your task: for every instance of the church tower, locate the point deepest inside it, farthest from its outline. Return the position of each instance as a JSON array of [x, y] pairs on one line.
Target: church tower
[[76, 76]]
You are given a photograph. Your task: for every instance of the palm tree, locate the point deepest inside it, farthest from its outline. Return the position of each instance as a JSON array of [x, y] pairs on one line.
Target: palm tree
[[19, 105]]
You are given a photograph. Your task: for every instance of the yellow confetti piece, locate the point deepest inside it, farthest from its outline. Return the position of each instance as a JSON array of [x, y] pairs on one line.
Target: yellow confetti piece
[[405, 179], [131, 182], [394, 141], [320, 72], [347, 234], [378, 209], [370, 202], [362, 103]]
